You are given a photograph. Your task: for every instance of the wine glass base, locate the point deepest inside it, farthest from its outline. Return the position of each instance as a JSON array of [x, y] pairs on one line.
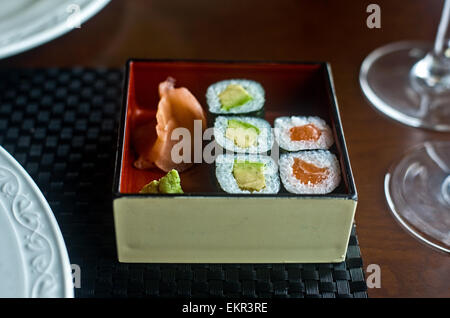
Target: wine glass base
[[417, 190], [385, 79]]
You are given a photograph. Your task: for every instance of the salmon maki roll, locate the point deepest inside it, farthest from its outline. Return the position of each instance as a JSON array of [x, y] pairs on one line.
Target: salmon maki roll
[[302, 133], [310, 172]]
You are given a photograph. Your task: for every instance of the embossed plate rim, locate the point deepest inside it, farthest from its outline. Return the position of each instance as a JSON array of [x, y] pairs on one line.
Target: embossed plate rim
[[51, 225]]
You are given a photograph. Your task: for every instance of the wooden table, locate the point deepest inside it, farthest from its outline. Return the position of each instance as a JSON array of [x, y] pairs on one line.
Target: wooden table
[[333, 31]]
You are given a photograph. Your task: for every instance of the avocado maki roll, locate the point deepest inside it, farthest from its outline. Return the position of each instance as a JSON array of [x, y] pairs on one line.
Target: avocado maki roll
[[302, 133], [236, 97], [310, 172], [243, 134], [250, 174]]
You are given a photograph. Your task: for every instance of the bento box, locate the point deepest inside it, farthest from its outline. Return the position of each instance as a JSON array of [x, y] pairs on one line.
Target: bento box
[[208, 223]]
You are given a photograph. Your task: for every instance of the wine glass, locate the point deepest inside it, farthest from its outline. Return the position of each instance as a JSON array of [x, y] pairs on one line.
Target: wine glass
[[410, 82]]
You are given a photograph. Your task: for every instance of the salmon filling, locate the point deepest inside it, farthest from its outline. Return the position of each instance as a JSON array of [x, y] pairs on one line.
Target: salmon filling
[[308, 173], [306, 132]]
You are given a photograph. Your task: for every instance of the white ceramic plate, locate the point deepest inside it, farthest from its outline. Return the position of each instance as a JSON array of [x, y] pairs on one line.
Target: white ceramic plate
[[25, 24], [33, 257]]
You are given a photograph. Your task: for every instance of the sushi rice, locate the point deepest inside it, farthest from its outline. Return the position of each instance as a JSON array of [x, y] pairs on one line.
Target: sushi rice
[[226, 180], [264, 142], [255, 90], [319, 158], [283, 125]]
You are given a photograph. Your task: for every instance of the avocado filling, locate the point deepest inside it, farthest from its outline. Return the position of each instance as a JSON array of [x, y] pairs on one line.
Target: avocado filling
[[233, 96], [170, 183], [249, 175], [243, 134]]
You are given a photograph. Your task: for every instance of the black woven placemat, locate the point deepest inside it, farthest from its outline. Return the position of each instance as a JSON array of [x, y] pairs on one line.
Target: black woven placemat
[[60, 124]]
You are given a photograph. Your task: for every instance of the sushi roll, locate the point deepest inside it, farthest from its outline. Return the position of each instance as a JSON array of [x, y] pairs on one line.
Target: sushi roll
[[302, 133], [310, 172], [250, 174], [243, 134], [236, 97]]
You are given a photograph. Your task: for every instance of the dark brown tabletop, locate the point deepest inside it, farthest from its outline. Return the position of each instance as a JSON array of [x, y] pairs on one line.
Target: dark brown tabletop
[[321, 30]]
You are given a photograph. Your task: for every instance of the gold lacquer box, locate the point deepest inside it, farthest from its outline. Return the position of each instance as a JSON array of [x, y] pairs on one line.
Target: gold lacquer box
[[207, 225]]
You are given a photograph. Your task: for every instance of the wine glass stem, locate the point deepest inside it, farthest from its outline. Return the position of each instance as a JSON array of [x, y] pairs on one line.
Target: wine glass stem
[[443, 36], [431, 74]]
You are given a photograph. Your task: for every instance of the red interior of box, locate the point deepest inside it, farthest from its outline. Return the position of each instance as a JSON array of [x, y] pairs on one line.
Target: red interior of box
[[291, 89]]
